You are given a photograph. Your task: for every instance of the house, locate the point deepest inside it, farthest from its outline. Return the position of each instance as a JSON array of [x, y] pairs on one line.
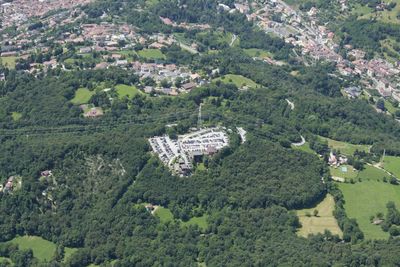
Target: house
[[188, 86], [46, 173], [149, 207], [93, 113], [332, 159], [353, 91], [85, 50]]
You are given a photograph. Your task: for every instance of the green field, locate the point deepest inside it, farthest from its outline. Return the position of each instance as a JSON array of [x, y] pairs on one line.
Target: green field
[[392, 164], [372, 174], [254, 52], [16, 116], [324, 220], [345, 148], [387, 16], [7, 260], [82, 96], [126, 90], [8, 61], [237, 80], [164, 214], [366, 199], [339, 172], [151, 54], [390, 108], [199, 221], [42, 249], [306, 148]]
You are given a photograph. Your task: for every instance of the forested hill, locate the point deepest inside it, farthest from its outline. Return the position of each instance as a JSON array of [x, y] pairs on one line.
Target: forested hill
[[239, 206]]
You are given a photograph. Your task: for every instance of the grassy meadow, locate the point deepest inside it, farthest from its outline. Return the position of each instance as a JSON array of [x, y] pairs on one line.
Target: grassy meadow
[[345, 148], [126, 91], [392, 164], [318, 224], [8, 61], [82, 96], [366, 199], [42, 249], [237, 80], [151, 54]]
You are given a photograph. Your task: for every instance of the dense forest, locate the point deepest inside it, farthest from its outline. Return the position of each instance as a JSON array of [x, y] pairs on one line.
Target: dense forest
[[103, 170]]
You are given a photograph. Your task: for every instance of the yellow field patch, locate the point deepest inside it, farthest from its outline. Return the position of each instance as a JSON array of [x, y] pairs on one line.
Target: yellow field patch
[[318, 224]]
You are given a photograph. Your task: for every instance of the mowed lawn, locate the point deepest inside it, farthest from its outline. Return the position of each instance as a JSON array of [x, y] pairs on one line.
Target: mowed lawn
[[42, 249], [237, 80], [8, 61], [344, 171], [151, 54], [345, 148], [392, 164], [82, 96], [126, 90], [366, 199], [318, 224]]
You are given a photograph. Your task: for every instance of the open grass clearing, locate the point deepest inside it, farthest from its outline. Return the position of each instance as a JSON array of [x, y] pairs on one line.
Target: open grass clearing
[[318, 224], [82, 96], [345, 148], [305, 148], [16, 116], [344, 171], [127, 91], [42, 249], [237, 80], [386, 16], [201, 222], [392, 165], [8, 61], [366, 199], [164, 214], [255, 52], [151, 54]]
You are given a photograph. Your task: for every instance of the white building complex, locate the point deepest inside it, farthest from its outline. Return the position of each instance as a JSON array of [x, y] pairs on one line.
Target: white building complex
[[179, 154]]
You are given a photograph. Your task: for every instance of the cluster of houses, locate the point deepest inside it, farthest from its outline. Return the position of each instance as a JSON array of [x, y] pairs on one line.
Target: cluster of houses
[[317, 41], [336, 160], [19, 11], [179, 154]]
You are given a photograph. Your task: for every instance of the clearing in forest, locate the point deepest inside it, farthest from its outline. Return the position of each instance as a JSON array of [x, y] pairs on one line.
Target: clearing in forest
[[82, 96], [238, 80], [324, 220], [344, 147], [126, 90], [42, 249]]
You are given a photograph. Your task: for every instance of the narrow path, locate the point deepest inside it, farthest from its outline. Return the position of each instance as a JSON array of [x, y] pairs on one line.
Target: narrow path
[[377, 165], [290, 103], [303, 141], [234, 37]]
